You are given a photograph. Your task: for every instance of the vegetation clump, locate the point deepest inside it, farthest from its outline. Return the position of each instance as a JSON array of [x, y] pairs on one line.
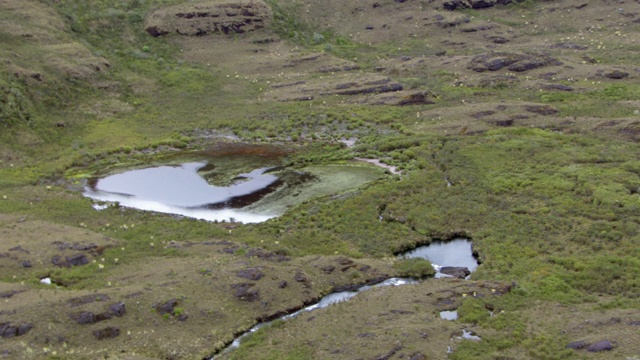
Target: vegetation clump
[[416, 268]]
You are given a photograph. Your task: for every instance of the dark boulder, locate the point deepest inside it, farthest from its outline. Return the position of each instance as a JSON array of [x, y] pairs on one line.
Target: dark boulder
[[558, 87], [301, 277], [155, 31], [474, 4], [614, 74], [603, 345], [458, 272], [577, 345], [498, 39], [250, 274], [541, 109], [166, 307], [83, 318], [87, 317], [569, 46], [106, 333], [69, 261], [328, 269], [512, 61], [9, 331], [526, 65], [416, 98], [81, 300], [493, 62], [77, 260], [9, 294], [246, 292], [117, 309]]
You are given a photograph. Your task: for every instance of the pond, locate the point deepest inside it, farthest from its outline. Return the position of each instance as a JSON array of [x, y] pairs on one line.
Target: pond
[[457, 253], [232, 182], [181, 190]]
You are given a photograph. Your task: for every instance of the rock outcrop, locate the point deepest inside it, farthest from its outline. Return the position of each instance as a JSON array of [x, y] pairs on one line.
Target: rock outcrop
[[401, 98], [475, 4], [8, 330], [207, 17], [512, 61], [458, 272]]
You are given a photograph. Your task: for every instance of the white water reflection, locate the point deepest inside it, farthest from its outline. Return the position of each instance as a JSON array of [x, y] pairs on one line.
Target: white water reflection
[[327, 300], [469, 335], [449, 315], [181, 190], [456, 252]]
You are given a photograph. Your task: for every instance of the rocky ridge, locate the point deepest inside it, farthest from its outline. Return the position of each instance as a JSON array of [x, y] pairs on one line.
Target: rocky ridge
[[209, 17]]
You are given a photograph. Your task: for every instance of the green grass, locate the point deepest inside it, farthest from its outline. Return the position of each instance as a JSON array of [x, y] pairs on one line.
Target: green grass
[[556, 213]]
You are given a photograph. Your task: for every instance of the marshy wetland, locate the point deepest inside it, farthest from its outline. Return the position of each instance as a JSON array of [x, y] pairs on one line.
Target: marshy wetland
[[294, 149], [215, 188]]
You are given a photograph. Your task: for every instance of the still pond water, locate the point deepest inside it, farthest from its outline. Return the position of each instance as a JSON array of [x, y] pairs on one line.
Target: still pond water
[[246, 183]]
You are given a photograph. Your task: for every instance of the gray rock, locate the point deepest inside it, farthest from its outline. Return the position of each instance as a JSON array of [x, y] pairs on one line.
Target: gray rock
[[603, 345], [166, 307], [245, 292], [474, 4], [106, 333], [9, 331], [68, 261], [558, 87], [615, 74], [83, 318], [541, 109], [577, 345], [250, 274], [117, 309], [458, 272], [301, 277]]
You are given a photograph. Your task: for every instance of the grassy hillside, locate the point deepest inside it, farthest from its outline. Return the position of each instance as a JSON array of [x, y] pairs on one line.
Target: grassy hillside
[[515, 125]]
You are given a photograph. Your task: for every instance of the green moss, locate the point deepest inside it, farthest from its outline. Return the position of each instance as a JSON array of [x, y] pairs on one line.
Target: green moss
[[415, 268]]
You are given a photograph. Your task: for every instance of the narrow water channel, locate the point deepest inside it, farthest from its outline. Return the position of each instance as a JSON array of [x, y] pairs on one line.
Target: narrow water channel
[[456, 253]]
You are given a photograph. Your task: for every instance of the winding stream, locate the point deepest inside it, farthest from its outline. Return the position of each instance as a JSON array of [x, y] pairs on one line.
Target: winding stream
[[457, 252]]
